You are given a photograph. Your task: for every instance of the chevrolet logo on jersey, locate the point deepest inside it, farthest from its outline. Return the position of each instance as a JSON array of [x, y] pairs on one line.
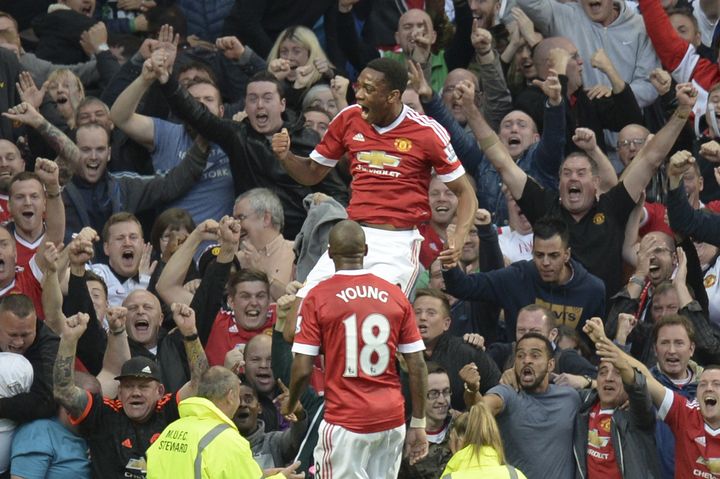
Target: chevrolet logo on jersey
[[378, 159]]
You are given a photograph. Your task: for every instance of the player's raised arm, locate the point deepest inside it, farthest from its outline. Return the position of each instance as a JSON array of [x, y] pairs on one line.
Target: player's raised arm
[[305, 171]]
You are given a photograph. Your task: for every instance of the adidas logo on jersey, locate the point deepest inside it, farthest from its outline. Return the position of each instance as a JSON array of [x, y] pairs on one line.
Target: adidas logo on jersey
[[358, 137]]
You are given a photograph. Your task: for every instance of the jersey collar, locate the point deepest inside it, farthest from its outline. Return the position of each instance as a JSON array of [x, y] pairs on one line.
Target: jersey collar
[[398, 120]]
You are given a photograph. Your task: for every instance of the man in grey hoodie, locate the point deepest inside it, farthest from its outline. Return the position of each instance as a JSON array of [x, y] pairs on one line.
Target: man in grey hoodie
[[270, 449], [596, 24]]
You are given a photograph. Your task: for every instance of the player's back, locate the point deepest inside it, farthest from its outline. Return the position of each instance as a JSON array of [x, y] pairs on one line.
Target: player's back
[[361, 321]]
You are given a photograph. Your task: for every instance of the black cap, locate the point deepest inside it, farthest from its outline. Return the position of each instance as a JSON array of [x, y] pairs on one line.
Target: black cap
[[140, 367]]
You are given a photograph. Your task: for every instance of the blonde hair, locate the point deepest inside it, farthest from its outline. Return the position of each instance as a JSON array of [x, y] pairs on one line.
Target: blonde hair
[[478, 428], [305, 37], [56, 76]]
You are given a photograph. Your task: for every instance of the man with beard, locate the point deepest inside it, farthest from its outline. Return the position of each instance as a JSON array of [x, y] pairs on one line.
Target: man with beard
[[212, 196], [537, 421], [694, 424]]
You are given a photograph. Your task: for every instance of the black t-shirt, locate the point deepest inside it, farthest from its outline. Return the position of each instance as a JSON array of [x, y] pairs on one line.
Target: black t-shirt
[[596, 240], [117, 444]]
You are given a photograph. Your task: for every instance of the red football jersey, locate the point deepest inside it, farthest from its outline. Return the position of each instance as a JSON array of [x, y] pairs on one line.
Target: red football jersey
[[697, 445], [431, 246], [601, 463], [226, 335], [25, 249], [5, 216], [28, 281], [655, 220], [391, 165], [360, 321]]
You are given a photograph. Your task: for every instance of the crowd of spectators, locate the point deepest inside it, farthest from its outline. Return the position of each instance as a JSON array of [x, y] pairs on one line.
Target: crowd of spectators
[[155, 236]]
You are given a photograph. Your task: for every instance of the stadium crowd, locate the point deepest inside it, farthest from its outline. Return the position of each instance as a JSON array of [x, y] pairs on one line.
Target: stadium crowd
[[360, 239]]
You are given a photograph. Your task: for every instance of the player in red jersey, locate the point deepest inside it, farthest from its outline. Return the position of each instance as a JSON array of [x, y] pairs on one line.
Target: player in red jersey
[[361, 321], [392, 151], [695, 424]]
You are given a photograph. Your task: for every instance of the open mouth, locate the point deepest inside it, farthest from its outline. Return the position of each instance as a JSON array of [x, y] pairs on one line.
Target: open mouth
[[28, 214], [242, 415], [672, 362], [609, 388], [710, 401], [574, 193], [128, 256], [422, 329], [61, 100], [514, 141], [595, 7], [365, 112], [262, 118], [142, 325], [653, 268], [93, 166], [252, 313], [527, 374], [442, 209]]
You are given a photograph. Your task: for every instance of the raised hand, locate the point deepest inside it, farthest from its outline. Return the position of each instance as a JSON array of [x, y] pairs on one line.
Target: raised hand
[[92, 38], [422, 43], [147, 265], [418, 82], [280, 67], [74, 327], [26, 114], [681, 271], [231, 47], [599, 91], [291, 412], [51, 255], [679, 164], [601, 61], [470, 376], [480, 38], [168, 42], [558, 59], [80, 251], [661, 80], [647, 245], [595, 329], [322, 66], [184, 317], [229, 233], [116, 317], [29, 92], [49, 173], [524, 24], [281, 144], [710, 151], [304, 76], [160, 62], [235, 360], [584, 138], [482, 217], [464, 93], [626, 323], [339, 87], [686, 95], [207, 230], [551, 87]]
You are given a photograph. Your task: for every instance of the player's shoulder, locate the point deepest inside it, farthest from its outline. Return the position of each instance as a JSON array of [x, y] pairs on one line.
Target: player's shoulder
[[426, 124], [349, 113]]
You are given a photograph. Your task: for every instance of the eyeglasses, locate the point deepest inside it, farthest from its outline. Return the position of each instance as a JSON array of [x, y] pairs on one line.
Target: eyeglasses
[[433, 394], [634, 141]]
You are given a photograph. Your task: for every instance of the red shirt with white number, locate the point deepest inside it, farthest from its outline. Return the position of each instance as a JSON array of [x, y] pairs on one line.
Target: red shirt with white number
[[390, 165], [697, 445], [601, 462], [360, 321]]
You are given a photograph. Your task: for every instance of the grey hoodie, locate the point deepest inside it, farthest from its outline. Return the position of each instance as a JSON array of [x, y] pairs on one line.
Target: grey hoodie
[[276, 448], [625, 41]]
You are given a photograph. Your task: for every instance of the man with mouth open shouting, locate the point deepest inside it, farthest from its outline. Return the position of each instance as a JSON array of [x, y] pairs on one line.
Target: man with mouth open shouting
[[392, 150], [695, 423]]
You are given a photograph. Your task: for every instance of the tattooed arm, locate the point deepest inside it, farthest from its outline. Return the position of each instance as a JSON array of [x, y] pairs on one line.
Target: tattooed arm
[[26, 114], [71, 397], [184, 317]]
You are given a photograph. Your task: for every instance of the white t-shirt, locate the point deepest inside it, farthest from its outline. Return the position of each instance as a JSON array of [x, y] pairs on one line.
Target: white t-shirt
[[515, 246], [16, 377]]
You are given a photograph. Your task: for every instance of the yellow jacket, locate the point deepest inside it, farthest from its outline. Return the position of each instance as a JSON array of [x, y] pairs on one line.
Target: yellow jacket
[[465, 464], [223, 452]]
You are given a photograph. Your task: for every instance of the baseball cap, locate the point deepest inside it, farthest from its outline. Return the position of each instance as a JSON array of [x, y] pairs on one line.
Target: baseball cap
[[140, 367]]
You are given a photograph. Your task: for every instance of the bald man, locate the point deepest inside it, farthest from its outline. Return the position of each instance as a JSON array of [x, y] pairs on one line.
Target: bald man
[[630, 140], [611, 112], [11, 162], [362, 321]]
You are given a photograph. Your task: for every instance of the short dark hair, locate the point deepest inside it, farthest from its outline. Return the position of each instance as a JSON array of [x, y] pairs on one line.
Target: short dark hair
[[90, 275], [244, 276], [197, 65], [121, 217], [204, 81], [173, 218], [437, 294], [87, 101], [25, 176], [546, 342], [395, 74], [685, 12], [435, 368], [317, 109], [93, 126], [549, 226], [18, 304], [594, 169], [172, 15], [673, 320], [266, 76]]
